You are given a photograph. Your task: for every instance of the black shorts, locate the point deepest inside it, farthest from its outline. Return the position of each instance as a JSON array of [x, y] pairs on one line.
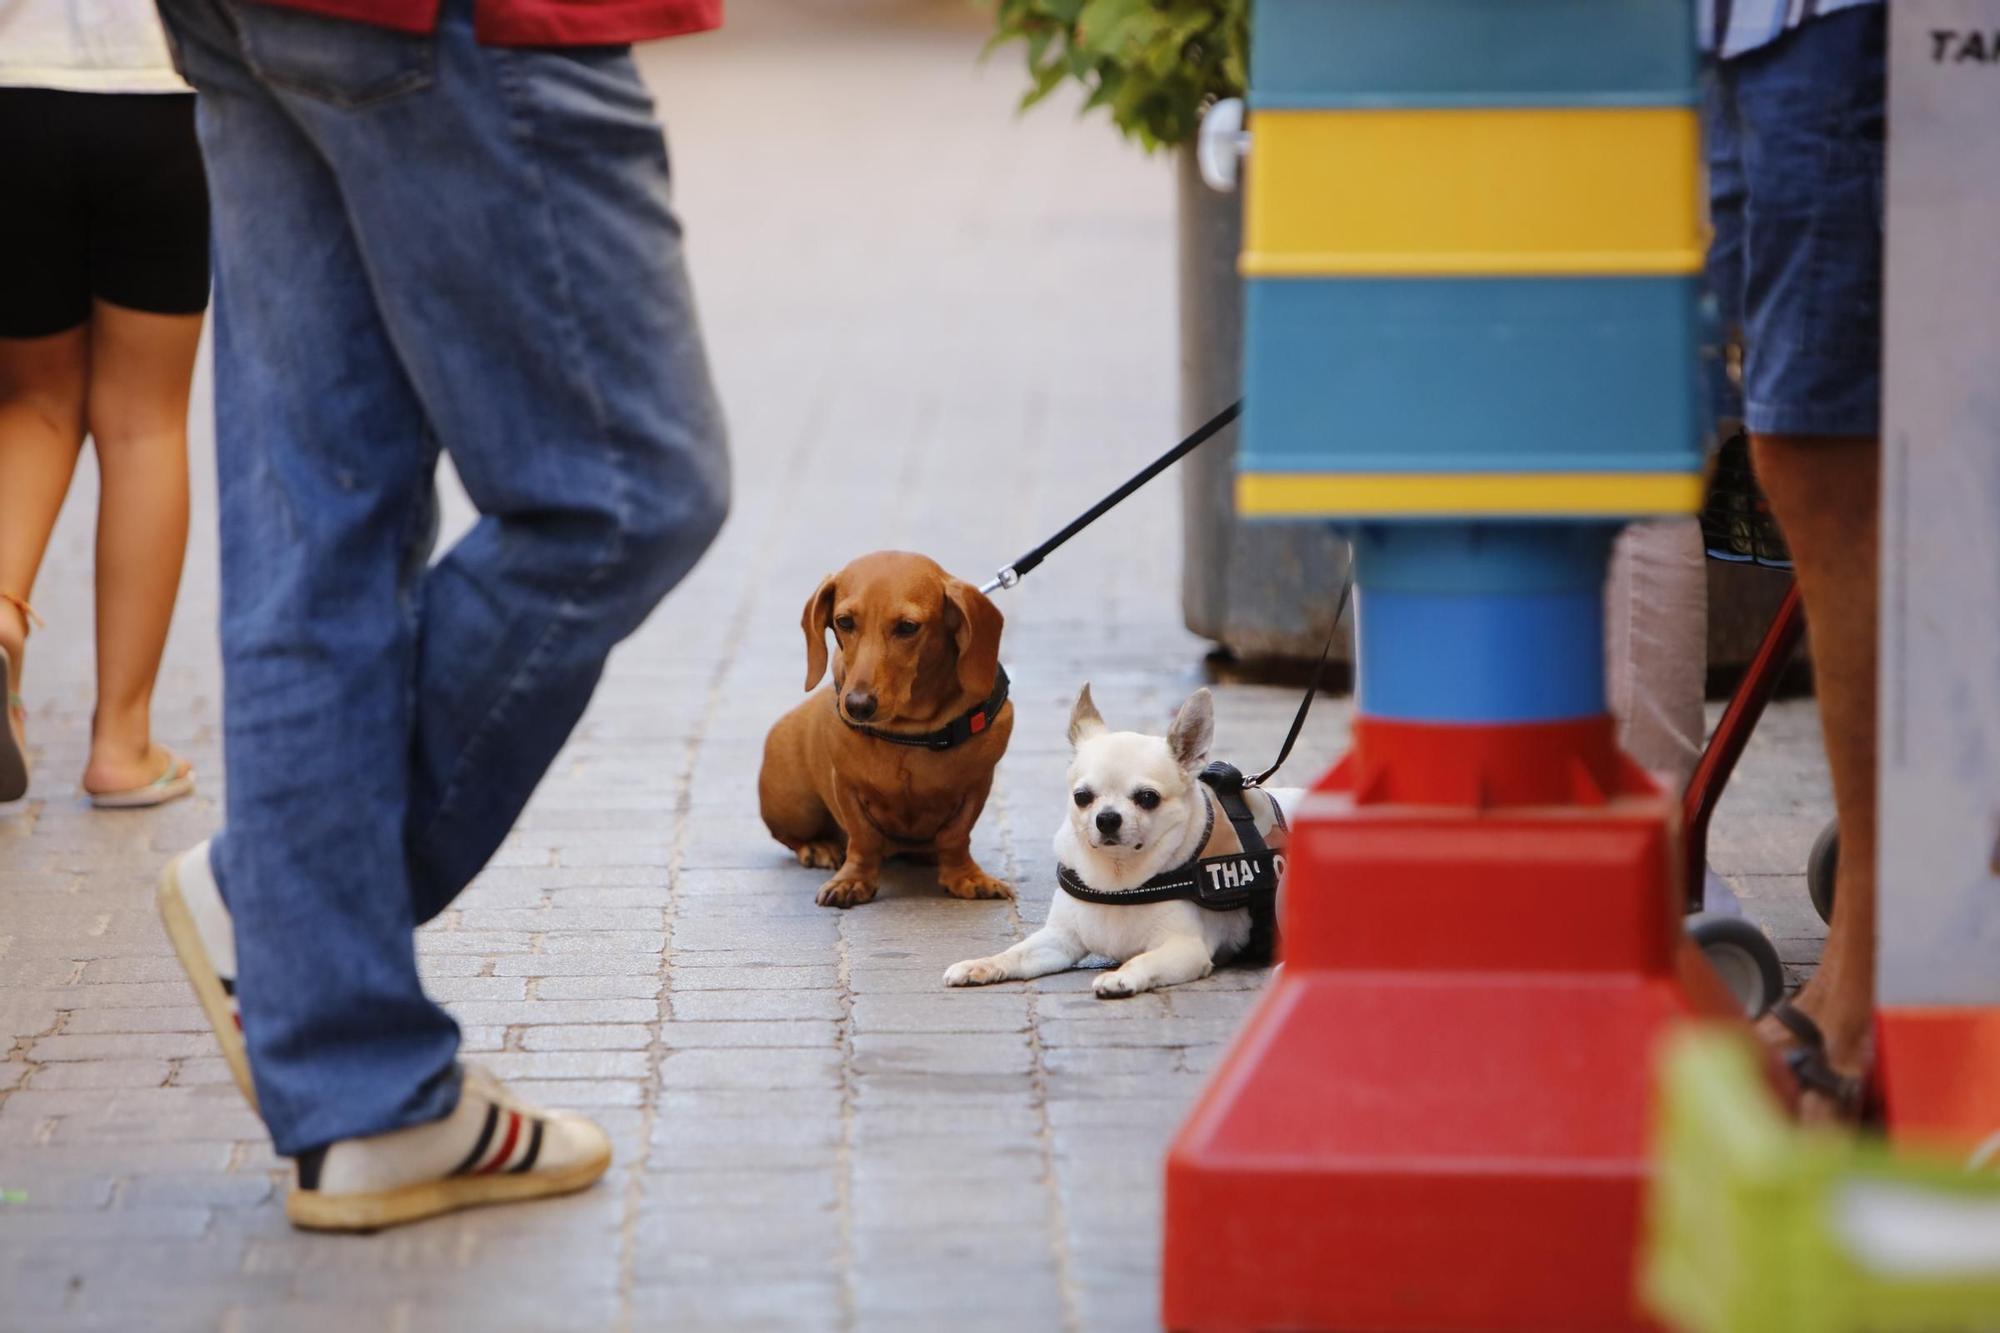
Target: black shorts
[[105, 198]]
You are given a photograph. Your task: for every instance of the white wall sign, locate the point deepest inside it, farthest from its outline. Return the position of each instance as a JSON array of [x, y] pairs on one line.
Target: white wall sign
[[1940, 813]]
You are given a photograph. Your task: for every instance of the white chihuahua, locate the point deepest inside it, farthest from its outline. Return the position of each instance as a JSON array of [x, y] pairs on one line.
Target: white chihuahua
[[1142, 821]]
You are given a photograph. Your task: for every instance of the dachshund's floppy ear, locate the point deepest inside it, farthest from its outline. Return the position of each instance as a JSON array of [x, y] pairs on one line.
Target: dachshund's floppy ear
[[816, 621], [1084, 719], [978, 634]]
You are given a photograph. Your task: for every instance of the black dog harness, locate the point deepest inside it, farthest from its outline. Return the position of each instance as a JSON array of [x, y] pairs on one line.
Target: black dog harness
[[1247, 877], [956, 732]]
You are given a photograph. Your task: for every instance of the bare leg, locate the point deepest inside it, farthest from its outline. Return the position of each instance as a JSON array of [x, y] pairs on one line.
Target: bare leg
[[1184, 958], [1041, 953], [1826, 495], [42, 385], [141, 367]]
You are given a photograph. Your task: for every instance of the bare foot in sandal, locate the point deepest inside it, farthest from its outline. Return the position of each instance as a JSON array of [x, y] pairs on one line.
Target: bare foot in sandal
[[14, 739], [1826, 1048], [153, 775], [14, 623]]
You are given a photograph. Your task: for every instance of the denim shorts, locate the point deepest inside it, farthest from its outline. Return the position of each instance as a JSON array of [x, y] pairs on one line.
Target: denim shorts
[[1795, 146]]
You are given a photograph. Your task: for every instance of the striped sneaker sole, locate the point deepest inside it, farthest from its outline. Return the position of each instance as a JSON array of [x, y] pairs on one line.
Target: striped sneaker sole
[[209, 988]]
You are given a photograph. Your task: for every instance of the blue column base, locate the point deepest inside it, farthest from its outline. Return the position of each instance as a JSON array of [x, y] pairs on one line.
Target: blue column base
[[1482, 623]]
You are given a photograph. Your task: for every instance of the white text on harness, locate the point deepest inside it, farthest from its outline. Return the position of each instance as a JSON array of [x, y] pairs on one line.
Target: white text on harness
[[1237, 874]]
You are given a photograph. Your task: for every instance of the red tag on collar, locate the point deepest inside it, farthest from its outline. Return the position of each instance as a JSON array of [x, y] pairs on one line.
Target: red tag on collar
[[978, 722]]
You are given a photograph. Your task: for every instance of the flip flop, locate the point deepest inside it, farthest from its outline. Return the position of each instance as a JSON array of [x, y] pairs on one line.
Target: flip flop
[[169, 786], [1813, 1072], [13, 761]]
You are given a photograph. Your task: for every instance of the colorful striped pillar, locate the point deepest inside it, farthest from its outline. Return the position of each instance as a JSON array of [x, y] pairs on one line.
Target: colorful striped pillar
[[1472, 248]]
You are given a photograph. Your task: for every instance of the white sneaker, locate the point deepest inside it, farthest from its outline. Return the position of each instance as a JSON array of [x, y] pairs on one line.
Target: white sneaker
[[492, 1148], [202, 934]]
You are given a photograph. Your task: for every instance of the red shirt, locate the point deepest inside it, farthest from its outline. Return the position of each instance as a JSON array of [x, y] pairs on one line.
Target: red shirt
[[537, 22]]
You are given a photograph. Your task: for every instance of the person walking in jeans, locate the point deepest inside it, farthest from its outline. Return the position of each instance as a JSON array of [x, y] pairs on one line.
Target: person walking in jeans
[[434, 231]]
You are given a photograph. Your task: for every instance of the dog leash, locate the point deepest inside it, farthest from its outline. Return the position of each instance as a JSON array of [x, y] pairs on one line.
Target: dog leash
[[1009, 575], [1312, 686]]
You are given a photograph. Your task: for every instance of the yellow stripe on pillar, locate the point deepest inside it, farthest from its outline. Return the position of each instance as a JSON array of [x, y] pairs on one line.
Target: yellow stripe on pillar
[[1505, 191], [1467, 495]]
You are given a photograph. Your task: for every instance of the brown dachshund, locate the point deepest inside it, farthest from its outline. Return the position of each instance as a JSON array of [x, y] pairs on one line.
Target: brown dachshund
[[896, 757]]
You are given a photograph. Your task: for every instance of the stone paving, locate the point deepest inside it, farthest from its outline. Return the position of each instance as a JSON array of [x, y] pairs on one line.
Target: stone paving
[[935, 327]]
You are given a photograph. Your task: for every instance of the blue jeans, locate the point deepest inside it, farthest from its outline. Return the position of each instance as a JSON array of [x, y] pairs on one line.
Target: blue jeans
[[421, 244]]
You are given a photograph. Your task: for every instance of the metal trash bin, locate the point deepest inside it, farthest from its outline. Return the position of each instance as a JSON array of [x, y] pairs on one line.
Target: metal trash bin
[[1261, 590]]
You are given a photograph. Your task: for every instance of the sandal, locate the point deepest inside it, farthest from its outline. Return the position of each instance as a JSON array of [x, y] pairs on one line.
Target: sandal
[[177, 781], [14, 758], [1813, 1072]]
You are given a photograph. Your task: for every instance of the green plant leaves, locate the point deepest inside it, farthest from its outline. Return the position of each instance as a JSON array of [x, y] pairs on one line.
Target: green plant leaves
[[1155, 65]]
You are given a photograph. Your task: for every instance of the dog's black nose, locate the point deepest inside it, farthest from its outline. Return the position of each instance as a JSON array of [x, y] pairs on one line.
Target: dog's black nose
[[860, 706], [1108, 822]]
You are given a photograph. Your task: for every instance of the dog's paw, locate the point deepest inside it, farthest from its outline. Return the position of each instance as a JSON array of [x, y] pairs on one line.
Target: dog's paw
[[976, 883], [845, 891], [1115, 986], [820, 855], [973, 972]]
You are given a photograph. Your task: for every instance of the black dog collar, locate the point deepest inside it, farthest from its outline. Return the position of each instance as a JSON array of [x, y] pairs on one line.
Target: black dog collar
[[1223, 883], [957, 732]]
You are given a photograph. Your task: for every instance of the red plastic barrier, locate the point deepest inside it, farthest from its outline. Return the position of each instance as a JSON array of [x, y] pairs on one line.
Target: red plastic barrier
[[1436, 1117]]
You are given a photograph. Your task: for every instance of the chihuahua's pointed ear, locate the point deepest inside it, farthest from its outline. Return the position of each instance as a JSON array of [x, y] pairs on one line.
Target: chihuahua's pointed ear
[[816, 621], [1193, 729], [1084, 719], [977, 631]]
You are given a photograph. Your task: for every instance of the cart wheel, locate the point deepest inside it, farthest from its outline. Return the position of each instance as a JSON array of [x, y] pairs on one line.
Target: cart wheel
[[1821, 862], [1743, 955]]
